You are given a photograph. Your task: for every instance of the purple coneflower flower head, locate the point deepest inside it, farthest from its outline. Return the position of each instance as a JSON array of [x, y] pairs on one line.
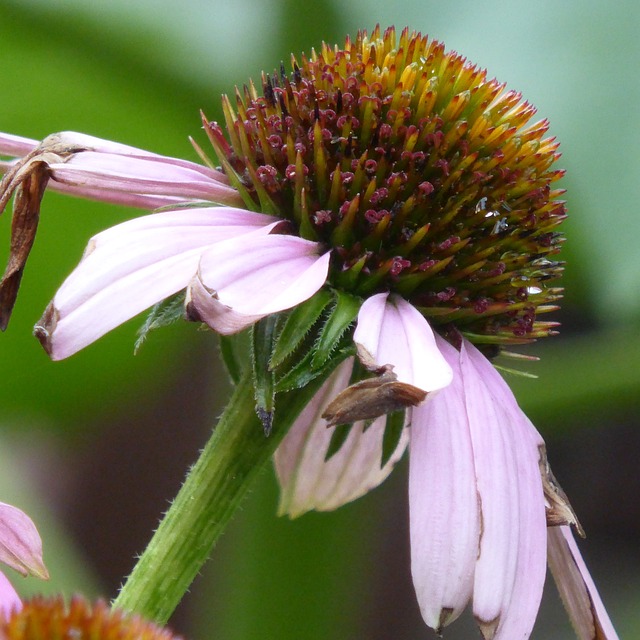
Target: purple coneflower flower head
[[384, 220]]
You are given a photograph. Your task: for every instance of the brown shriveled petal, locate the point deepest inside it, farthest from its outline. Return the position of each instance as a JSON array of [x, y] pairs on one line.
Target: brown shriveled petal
[[28, 179], [559, 509], [577, 590], [29, 182], [371, 398]]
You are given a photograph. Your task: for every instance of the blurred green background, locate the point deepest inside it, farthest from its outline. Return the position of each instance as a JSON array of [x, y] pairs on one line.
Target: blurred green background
[[95, 447]]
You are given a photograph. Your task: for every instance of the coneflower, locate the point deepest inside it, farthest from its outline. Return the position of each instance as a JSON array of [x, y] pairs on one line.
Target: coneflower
[[385, 219]]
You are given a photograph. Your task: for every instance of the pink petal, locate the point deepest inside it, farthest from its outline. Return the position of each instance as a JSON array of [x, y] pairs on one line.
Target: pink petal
[[243, 280], [130, 174], [99, 169], [16, 146], [511, 567], [395, 332], [20, 544], [122, 198], [443, 502], [577, 589], [308, 482], [131, 266], [9, 600], [74, 142]]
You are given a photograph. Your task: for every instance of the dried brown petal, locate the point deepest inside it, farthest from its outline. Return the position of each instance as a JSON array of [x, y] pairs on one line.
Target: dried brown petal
[[33, 180], [371, 398], [559, 509]]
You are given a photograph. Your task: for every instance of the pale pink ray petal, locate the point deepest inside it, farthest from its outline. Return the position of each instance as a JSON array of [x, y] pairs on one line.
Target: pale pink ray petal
[[132, 266], [20, 543], [243, 280], [123, 198], [210, 224], [9, 600], [75, 142], [15, 146], [395, 332], [130, 174], [511, 567], [89, 167], [309, 482], [576, 587], [443, 501]]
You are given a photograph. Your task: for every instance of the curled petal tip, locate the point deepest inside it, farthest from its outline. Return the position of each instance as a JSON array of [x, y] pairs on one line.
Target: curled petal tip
[[191, 307], [202, 305], [45, 327], [37, 569]]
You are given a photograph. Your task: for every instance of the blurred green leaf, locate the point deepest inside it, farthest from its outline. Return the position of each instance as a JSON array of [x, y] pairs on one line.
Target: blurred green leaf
[[578, 376]]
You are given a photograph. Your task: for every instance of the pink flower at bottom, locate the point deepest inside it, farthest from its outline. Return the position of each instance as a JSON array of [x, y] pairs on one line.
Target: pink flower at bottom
[[9, 598], [20, 549]]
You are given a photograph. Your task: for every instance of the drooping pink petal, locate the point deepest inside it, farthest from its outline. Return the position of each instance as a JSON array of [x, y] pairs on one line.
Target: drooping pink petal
[[511, 567], [395, 332], [75, 142], [576, 587], [15, 146], [130, 174], [90, 167], [134, 265], [20, 543], [443, 501], [9, 599], [245, 279], [309, 482]]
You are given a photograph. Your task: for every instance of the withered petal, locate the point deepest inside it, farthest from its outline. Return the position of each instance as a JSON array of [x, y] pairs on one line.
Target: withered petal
[[26, 214]]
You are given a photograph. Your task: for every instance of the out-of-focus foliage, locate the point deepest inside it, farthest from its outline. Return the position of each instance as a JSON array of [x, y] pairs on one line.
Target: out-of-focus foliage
[[138, 71]]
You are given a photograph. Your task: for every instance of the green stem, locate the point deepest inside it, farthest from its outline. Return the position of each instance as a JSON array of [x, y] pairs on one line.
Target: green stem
[[210, 495]]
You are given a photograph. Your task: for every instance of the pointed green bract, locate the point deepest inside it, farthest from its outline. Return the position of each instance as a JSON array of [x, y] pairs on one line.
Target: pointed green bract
[[304, 371], [262, 339], [297, 326], [161, 315], [342, 315]]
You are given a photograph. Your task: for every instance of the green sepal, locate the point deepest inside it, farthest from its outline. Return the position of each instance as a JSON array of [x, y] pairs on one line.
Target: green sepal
[[262, 339], [343, 313], [161, 315], [234, 351], [338, 438], [297, 326], [307, 231], [392, 434], [349, 278], [303, 372]]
